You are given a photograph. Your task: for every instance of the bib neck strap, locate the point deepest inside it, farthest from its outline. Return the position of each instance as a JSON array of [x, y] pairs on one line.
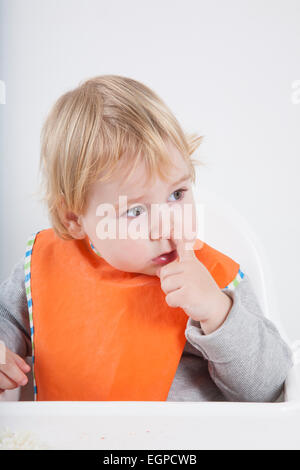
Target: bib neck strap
[[93, 248]]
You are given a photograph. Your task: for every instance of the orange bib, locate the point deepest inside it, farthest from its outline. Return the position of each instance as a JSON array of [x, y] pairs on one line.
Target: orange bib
[[99, 333]]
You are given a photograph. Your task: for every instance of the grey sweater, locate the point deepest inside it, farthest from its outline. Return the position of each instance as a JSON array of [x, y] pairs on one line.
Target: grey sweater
[[245, 359]]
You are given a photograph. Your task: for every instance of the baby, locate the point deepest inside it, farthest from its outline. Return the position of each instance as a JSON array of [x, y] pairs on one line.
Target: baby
[[110, 302]]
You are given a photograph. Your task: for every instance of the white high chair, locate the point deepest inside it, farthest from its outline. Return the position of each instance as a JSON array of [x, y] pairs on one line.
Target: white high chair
[[222, 227]]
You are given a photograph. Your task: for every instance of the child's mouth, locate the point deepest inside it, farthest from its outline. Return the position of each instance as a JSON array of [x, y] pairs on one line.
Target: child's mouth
[[165, 258]]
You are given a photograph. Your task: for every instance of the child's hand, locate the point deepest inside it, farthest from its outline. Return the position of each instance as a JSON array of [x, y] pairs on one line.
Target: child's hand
[[12, 373], [189, 285]]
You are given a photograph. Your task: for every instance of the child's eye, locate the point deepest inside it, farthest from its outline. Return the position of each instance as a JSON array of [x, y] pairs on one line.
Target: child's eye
[[133, 209], [181, 190], [177, 198]]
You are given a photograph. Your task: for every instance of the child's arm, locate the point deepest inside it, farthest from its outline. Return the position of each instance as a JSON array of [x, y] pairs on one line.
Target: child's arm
[[14, 329], [14, 317], [247, 358]]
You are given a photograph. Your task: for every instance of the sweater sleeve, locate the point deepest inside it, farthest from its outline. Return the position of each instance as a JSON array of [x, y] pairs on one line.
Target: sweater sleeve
[[247, 358], [14, 316]]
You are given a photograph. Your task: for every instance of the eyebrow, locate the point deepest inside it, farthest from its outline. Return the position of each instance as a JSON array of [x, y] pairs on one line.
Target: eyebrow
[[140, 198]]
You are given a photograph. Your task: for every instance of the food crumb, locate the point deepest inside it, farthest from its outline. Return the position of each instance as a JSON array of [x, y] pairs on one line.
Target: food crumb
[[20, 440]]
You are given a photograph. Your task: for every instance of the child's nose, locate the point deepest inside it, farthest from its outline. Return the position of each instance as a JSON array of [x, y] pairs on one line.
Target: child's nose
[[163, 222]]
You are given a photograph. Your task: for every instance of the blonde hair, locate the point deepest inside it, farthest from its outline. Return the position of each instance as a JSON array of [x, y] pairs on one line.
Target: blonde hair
[[91, 128]]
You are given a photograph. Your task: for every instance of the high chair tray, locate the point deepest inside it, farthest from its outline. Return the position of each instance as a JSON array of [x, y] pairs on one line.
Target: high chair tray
[[156, 425]]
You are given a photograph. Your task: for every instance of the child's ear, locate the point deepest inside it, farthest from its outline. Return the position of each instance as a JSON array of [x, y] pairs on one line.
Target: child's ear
[[73, 224], [71, 221]]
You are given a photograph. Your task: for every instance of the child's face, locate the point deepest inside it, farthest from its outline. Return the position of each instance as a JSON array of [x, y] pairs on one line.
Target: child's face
[[136, 255]]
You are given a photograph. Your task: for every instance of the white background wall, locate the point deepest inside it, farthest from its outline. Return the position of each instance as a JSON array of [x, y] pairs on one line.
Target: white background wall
[[226, 70]]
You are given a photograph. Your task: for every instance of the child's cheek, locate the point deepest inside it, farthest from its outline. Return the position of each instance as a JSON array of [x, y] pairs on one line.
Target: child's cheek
[[136, 252]]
